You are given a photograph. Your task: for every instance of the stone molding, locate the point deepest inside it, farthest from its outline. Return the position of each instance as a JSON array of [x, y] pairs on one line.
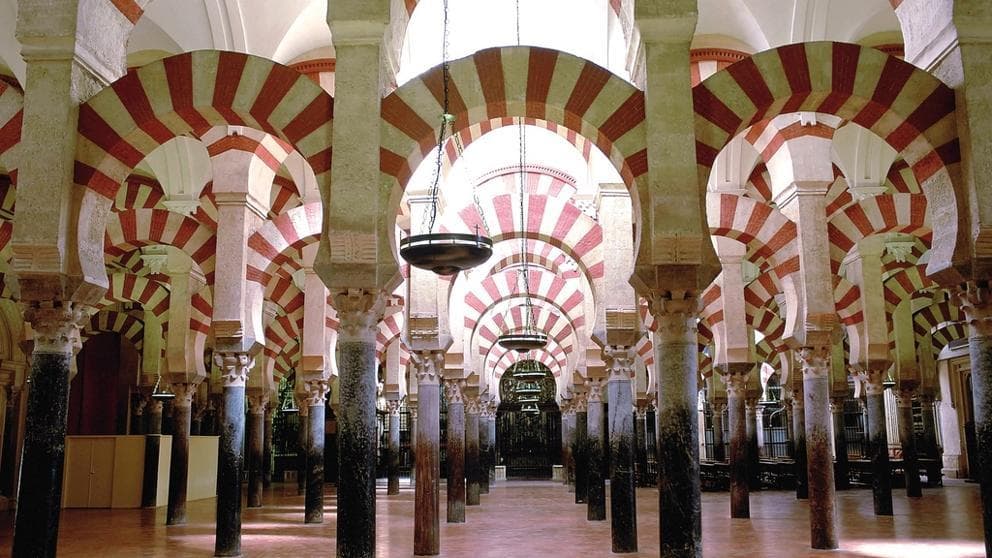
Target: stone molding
[[316, 392], [234, 367], [619, 361], [56, 325], [359, 314], [454, 391], [975, 299], [427, 366], [185, 393]]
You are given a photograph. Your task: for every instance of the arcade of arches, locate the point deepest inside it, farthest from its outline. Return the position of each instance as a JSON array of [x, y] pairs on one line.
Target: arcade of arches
[[756, 233]]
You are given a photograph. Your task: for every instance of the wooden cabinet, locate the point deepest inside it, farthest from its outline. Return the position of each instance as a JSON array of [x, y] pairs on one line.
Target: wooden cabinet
[[102, 471]]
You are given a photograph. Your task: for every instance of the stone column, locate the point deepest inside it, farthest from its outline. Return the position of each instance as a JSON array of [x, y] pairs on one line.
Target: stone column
[[153, 441], [485, 448], [641, 437], [820, 463], [359, 313], [10, 462], [623, 495], [878, 440], [581, 457], [314, 508], [929, 415], [455, 450], [426, 528], [753, 452], [303, 439], [736, 380], [39, 498], [911, 465], [472, 469], [840, 444], [491, 425], [267, 448], [596, 496], [566, 435], [412, 416], [719, 450], [154, 408], [787, 421], [799, 453], [256, 442], [234, 374], [179, 465], [393, 448], [138, 416], [976, 301], [676, 355], [196, 418]]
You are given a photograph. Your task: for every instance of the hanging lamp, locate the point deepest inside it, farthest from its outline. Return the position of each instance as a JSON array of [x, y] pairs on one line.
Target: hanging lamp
[[529, 370], [445, 253], [159, 393], [530, 338]]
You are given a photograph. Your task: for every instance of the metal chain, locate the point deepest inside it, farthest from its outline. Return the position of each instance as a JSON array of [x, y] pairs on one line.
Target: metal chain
[[446, 121], [460, 150]]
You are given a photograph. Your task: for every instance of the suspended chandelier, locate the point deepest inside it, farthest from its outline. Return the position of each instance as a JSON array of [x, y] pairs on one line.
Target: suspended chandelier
[[160, 393], [445, 253], [531, 408], [528, 369]]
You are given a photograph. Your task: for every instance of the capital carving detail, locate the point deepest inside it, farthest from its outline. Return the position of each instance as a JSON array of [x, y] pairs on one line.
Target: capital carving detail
[[815, 361], [871, 379], [904, 397], [258, 403], [234, 367], [185, 392], [316, 392], [595, 393], [427, 366], [620, 361], [975, 299], [579, 403], [56, 325], [837, 404], [736, 385], [675, 316], [453, 391], [359, 314], [473, 405], [393, 407]]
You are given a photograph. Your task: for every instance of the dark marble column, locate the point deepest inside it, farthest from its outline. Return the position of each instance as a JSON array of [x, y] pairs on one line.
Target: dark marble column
[[154, 412], [472, 468], [393, 448], [753, 452], [316, 403], [491, 425], [234, 374], [623, 495], [719, 447], [799, 443], [39, 498], [976, 301], [677, 353], [427, 500], [787, 421], [911, 464], [267, 448], [736, 380], [455, 450], [413, 420], [153, 448], [197, 414], [138, 415], [878, 438], [641, 444], [303, 439], [596, 496], [485, 443], [359, 313], [820, 462], [841, 476], [182, 409], [256, 443], [10, 460], [651, 434], [567, 441], [930, 448], [581, 456]]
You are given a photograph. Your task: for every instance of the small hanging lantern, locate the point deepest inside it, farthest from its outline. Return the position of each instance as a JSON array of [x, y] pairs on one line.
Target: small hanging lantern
[[161, 394]]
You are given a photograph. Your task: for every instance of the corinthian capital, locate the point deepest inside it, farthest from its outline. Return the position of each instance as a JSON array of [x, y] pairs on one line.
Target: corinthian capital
[[620, 361], [975, 299], [359, 312], [56, 325], [675, 315], [454, 391], [427, 366], [234, 367]]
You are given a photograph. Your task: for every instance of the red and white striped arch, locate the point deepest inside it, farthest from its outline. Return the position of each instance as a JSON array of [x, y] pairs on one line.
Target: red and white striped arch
[[283, 292], [704, 62], [283, 333], [847, 301], [904, 284], [268, 246], [912, 110], [474, 132], [110, 321], [11, 117], [516, 82], [769, 235], [132, 229], [389, 330], [897, 213], [126, 287], [563, 293], [547, 319], [139, 192], [190, 93], [554, 221], [507, 359]]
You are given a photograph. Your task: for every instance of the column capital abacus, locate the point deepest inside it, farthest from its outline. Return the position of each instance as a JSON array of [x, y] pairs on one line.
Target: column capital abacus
[[316, 392], [234, 367], [619, 361], [675, 314], [975, 299], [473, 405], [155, 406], [594, 393], [453, 391], [257, 403], [393, 407], [55, 324], [904, 397], [837, 404], [815, 361], [736, 385], [871, 378], [427, 366], [185, 393], [580, 403], [359, 313]]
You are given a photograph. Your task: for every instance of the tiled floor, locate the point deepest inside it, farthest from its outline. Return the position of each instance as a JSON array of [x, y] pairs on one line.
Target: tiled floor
[[538, 519]]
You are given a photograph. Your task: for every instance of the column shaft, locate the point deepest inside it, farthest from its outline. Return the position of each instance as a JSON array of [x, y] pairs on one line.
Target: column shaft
[[8, 458], [910, 462], [623, 495], [980, 347], [393, 449], [820, 463], [740, 506], [303, 437], [596, 495], [753, 456], [840, 444], [719, 447], [878, 439], [485, 443], [426, 528], [799, 446], [455, 452], [641, 435], [314, 510], [472, 469], [267, 449], [256, 441], [235, 368], [179, 464], [39, 498], [581, 455]]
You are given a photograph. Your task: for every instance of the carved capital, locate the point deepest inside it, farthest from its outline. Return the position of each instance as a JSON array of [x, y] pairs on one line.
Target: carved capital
[[234, 367], [56, 325], [751, 405], [359, 313], [154, 407], [139, 406], [427, 366], [736, 385], [453, 391], [393, 407], [257, 404], [870, 378], [412, 409], [837, 404], [579, 403], [567, 408], [904, 397], [675, 316], [473, 405], [595, 390], [185, 392], [815, 361], [641, 410], [316, 392], [619, 361], [975, 299]]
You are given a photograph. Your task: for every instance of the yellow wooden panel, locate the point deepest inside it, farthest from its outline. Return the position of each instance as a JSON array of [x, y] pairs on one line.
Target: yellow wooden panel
[[202, 482], [76, 475], [102, 472], [129, 469]]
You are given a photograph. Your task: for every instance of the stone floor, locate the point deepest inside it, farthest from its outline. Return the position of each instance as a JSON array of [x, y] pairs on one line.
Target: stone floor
[[538, 519]]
